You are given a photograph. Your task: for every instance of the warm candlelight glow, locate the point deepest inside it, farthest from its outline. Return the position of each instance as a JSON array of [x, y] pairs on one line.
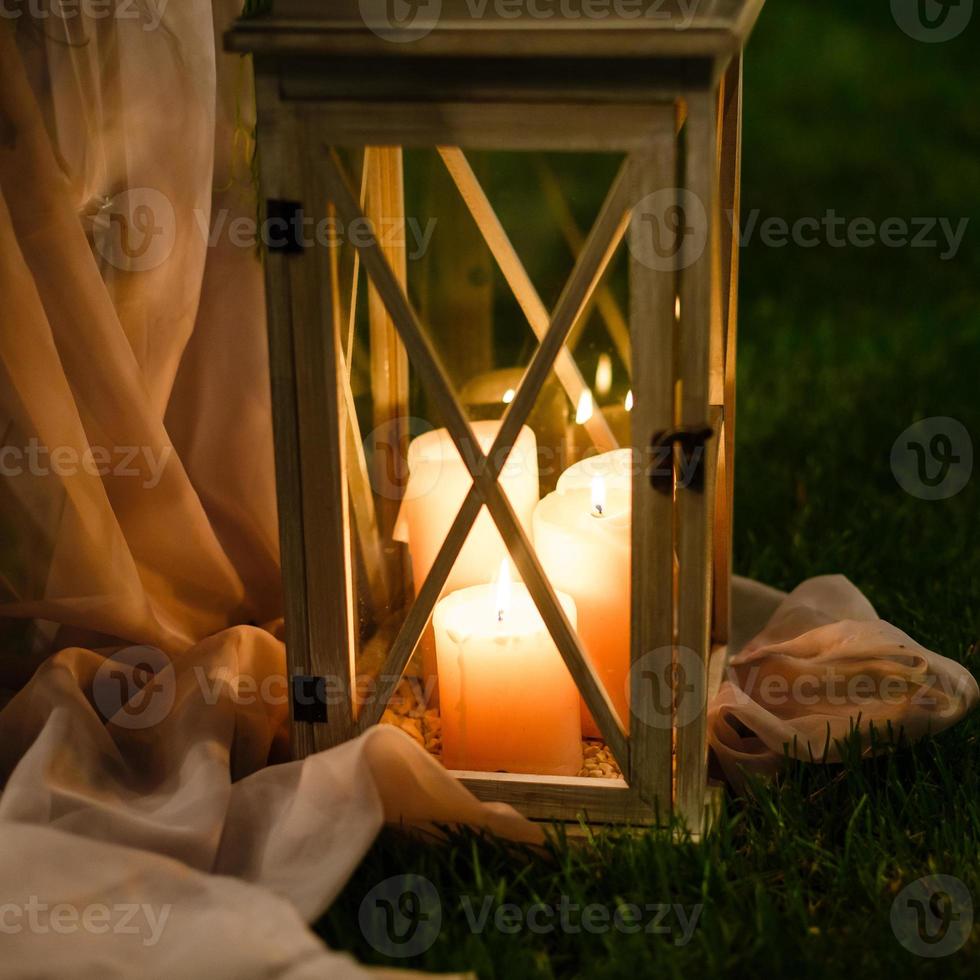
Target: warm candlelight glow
[[603, 374], [677, 307], [508, 396], [582, 537], [507, 700], [584, 410], [615, 468], [628, 404], [503, 591], [598, 496]]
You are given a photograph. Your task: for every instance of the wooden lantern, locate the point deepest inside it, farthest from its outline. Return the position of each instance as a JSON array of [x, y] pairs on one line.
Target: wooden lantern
[[664, 90]]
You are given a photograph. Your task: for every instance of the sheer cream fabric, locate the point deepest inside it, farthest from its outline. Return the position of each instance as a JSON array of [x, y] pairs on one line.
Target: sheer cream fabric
[[138, 507], [824, 665], [92, 349]]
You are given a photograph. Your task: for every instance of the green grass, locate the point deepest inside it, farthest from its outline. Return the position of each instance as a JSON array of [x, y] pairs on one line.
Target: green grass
[[840, 350]]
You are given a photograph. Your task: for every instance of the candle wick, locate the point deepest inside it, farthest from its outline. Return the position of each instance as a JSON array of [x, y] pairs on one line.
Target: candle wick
[[500, 615], [597, 511]]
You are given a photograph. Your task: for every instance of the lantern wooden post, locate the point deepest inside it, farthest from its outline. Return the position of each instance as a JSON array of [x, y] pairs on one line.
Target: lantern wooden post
[[694, 496], [310, 431], [667, 97], [723, 394], [652, 297]]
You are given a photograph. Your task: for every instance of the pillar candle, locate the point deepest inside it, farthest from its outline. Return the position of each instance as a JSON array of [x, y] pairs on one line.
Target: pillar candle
[[437, 483], [582, 537], [507, 700]]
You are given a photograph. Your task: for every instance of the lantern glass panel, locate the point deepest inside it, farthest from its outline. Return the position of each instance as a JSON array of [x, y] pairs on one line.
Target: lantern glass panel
[[484, 281]]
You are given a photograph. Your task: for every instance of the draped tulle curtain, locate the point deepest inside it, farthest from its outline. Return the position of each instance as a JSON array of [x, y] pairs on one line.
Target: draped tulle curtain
[[136, 482]]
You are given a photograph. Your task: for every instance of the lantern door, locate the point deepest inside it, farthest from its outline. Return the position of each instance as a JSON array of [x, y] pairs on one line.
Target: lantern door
[[443, 365]]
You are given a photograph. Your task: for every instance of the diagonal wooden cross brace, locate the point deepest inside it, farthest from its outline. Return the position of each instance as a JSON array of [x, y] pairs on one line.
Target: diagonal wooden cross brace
[[485, 469], [523, 289]]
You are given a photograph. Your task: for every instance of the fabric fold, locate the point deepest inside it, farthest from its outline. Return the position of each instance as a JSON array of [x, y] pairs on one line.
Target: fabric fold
[[823, 666]]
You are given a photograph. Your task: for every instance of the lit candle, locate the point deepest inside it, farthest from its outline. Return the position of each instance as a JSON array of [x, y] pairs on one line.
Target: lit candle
[[582, 537], [507, 700]]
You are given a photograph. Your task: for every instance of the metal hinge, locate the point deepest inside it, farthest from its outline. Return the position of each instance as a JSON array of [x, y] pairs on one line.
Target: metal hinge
[[309, 699], [283, 226]]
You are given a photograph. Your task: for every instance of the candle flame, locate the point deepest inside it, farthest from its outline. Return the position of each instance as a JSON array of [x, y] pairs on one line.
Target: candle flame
[[503, 590], [628, 404], [598, 496], [603, 374], [584, 410], [677, 307], [508, 396]]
